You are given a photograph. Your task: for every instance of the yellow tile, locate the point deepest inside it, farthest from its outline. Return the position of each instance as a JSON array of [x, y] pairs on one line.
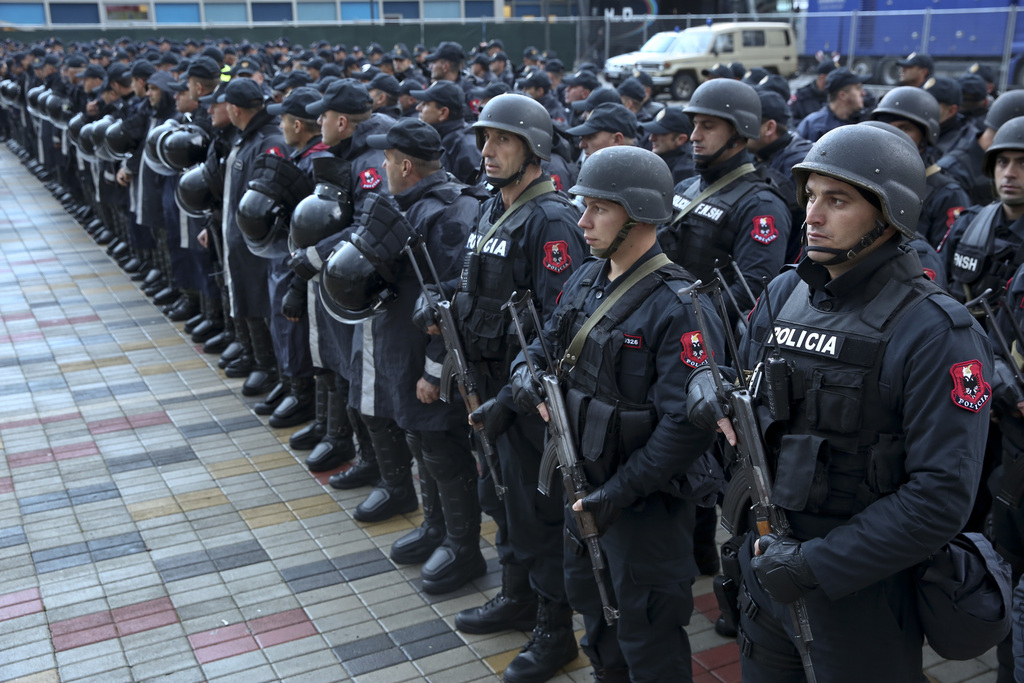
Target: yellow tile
[[167, 341], [501, 660], [267, 515], [272, 461], [488, 530], [197, 500], [137, 345], [48, 676], [230, 468], [111, 361], [399, 523], [159, 369], [150, 509], [76, 366], [126, 287], [314, 506], [193, 364]]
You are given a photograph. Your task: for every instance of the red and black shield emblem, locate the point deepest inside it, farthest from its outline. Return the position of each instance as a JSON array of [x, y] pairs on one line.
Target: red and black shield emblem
[[764, 230], [556, 256], [970, 390], [369, 179], [930, 273], [694, 352], [558, 182], [276, 151], [476, 104], [952, 214]]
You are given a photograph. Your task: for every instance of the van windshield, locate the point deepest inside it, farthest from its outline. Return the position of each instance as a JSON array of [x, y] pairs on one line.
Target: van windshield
[[689, 41]]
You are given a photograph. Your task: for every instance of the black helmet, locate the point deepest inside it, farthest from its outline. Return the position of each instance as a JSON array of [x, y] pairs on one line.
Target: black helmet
[[185, 147], [99, 138], [213, 176], [86, 148], [151, 152], [520, 115], [326, 212], [912, 104], [351, 288], [57, 108], [5, 93], [193, 194], [875, 160], [1009, 136], [32, 98], [1007, 106], [119, 143], [75, 126], [731, 100], [645, 191], [263, 223]]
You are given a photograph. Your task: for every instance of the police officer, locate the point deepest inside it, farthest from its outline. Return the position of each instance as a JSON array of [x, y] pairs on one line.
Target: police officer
[[983, 249], [609, 125], [916, 112], [526, 240], [669, 134], [954, 129], [879, 473], [731, 210], [777, 150], [845, 100], [441, 105], [537, 85], [813, 96], [916, 69], [629, 418]]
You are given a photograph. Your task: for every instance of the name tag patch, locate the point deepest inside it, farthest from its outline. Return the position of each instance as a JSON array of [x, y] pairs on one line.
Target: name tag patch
[[809, 341], [632, 341], [495, 247]]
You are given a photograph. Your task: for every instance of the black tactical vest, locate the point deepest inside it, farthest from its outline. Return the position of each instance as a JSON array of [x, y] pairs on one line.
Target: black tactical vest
[[488, 280], [707, 233], [607, 387], [984, 258], [842, 447]]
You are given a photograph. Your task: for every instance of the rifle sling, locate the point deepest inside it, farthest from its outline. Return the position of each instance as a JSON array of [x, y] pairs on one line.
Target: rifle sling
[[714, 187], [573, 352], [532, 193]]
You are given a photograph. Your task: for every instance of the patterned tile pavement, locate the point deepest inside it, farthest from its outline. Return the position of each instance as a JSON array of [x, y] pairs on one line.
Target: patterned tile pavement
[[152, 527]]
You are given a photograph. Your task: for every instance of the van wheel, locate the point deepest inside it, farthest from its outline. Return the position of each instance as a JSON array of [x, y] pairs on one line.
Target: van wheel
[[683, 86], [889, 72], [864, 68]]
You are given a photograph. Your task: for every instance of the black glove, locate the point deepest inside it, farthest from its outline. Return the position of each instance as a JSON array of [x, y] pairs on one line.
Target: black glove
[[495, 417], [605, 512], [704, 407], [301, 266], [293, 305], [782, 571], [525, 392], [423, 313]]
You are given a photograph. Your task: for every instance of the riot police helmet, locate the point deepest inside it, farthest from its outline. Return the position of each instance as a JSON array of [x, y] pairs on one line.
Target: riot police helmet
[[185, 147], [645, 190], [326, 212], [99, 138], [352, 288], [151, 150], [913, 104], [193, 194], [75, 126], [520, 115], [263, 224], [1007, 106], [734, 101], [1010, 136], [119, 142]]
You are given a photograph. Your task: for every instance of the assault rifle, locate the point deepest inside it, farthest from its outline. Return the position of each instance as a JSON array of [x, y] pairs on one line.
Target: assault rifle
[[737, 401], [561, 449], [455, 363], [1004, 346]]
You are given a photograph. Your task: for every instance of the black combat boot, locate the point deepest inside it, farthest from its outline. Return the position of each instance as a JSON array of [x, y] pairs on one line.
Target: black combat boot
[[364, 472], [458, 560], [395, 493], [336, 447], [420, 543], [551, 646], [611, 675], [274, 398], [705, 549], [513, 609], [309, 436], [263, 376], [297, 406]]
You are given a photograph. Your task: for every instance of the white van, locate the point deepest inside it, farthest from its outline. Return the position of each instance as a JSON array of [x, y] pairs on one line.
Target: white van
[[675, 59]]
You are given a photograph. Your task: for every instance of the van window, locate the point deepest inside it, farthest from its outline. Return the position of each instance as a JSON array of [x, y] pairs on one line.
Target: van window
[[724, 43], [753, 39], [778, 38]]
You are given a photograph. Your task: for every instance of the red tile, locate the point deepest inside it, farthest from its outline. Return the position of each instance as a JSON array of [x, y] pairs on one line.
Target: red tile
[[706, 602], [31, 422], [719, 656], [60, 418], [75, 450], [73, 320], [82, 623], [224, 650], [21, 336], [729, 674], [115, 424], [706, 677], [11, 317], [286, 634], [696, 668], [141, 609], [276, 621], [322, 477], [148, 419], [218, 635], [21, 609], [147, 622], [19, 596], [6, 484], [87, 637], [29, 458]]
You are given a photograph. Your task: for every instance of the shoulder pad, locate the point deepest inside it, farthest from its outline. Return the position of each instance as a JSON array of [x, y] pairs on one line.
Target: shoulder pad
[[957, 315], [447, 191], [556, 206]]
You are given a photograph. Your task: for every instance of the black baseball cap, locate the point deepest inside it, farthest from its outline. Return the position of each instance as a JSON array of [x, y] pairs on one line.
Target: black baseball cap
[[583, 78], [409, 86], [717, 71], [142, 69], [597, 98], [554, 66], [491, 90], [669, 120], [499, 56], [840, 78], [535, 79], [448, 50], [243, 92], [245, 66], [345, 96], [633, 89], [315, 63], [94, 71], [445, 94], [945, 90], [386, 83], [825, 67], [773, 106], [214, 97], [410, 136], [613, 118], [295, 102], [918, 59], [973, 88], [178, 86], [203, 67], [986, 72]]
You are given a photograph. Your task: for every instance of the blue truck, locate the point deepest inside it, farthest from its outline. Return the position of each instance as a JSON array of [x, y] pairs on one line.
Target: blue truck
[[873, 34]]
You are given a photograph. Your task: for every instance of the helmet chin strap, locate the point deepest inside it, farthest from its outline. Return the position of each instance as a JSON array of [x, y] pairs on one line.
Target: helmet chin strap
[[702, 161], [617, 242], [844, 255], [499, 183]]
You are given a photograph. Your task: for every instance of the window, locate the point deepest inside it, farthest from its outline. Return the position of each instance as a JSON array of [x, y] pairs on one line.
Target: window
[[23, 12], [407, 10], [753, 39], [74, 13], [271, 11], [442, 10], [177, 13], [116, 13], [479, 8], [317, 11], [358, 11], [226, 13], [724, 43]]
